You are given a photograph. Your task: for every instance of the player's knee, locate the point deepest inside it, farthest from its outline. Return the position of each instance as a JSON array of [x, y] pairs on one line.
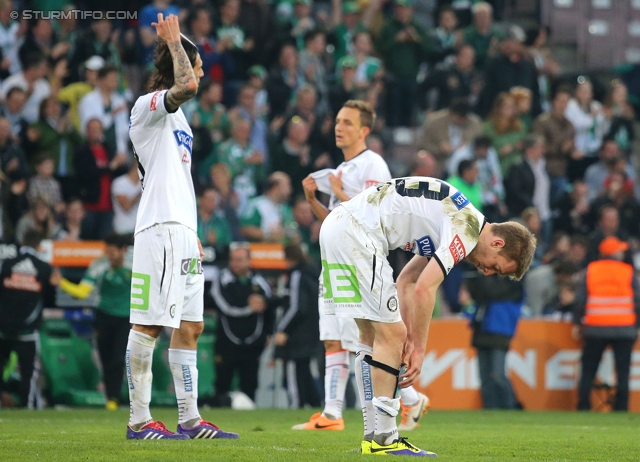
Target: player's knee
[[190, 331], [332, 346], [151, 331]]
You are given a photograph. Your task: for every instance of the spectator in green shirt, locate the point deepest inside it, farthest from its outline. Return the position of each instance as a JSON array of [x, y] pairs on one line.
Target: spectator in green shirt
[[482, 35], [403, 44], [269, 217], [466, 181], [111, 276], [245, 162], [213, 228]]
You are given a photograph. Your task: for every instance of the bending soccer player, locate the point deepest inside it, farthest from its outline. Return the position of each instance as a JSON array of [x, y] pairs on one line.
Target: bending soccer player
[[438, 224], [361, 168], [167, 286]]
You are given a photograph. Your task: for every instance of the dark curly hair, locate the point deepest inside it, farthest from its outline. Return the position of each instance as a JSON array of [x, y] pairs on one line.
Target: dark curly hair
[[162, 76]]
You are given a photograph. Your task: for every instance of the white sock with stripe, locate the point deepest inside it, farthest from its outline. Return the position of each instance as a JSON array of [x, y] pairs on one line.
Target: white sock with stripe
[[365, 390], [139, 357], [185, 378], [409, 396], [336, 376]]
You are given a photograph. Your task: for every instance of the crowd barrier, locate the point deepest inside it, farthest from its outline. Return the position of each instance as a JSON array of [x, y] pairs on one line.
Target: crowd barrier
[[543, 365]]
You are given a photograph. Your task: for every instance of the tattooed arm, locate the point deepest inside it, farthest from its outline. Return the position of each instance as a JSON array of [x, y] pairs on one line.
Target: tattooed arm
[[185, 85]]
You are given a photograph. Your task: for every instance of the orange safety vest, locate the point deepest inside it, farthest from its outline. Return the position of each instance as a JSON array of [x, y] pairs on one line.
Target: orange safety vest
[[609, 294]]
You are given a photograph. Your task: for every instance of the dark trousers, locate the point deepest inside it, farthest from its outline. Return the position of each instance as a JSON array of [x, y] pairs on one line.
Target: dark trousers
[[243, 360], [591, 355], [495, 386], [27, 347], [301, 386], [97, 225], [112, 335], [401, 103]]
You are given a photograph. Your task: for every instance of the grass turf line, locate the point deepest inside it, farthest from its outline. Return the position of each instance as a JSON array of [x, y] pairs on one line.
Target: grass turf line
[[266, 435]]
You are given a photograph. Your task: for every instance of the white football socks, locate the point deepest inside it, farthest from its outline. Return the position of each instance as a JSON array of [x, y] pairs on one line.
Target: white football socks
[[386, 426], [409, 396], [139, 357], [336, 376], [365, 390], [185, 378]]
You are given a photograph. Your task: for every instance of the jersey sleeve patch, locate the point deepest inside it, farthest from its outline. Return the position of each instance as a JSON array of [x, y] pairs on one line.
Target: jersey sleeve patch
[[154, 101], [424, 247], [460, 200], [458, 252]]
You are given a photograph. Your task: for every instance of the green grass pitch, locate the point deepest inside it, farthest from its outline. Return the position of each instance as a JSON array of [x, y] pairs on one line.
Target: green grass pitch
[[265, 435]]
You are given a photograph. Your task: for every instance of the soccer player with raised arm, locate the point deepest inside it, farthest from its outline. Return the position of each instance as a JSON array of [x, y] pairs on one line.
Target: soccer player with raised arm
[[167, 286], [361, 168], [435, 221]]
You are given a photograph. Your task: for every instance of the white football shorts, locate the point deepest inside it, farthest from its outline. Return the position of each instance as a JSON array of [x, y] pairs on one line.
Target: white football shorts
[[335, 328], [167, 284], [358, 280]]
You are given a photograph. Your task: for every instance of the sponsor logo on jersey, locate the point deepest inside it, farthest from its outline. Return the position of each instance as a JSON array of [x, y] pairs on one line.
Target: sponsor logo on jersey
[[183, 139], [154, 101], [185, 158], [460, 200], [458, 252], [191, 266], [370, 183], [408, 246], [425, 246]]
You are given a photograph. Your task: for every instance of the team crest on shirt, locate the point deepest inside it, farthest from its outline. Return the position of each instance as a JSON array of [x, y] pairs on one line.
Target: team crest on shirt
[[183, 139], [458, 252]]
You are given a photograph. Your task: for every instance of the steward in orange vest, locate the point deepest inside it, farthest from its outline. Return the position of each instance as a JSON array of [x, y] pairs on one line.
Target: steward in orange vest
[[607, 313]]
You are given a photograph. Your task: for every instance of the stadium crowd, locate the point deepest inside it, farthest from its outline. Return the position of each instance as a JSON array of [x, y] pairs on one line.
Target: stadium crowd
[[495, 118]]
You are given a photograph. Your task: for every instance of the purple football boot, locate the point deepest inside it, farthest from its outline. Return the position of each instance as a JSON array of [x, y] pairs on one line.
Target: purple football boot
[[206, 430], [154, 430]]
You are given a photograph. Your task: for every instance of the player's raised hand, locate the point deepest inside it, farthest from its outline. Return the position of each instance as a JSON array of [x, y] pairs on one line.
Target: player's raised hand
[[167, 29]]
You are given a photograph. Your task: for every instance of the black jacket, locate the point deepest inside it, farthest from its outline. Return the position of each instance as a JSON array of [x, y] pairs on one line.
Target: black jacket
[[301, 318], [88, 173], [487, 289], [238, 326], [519, 186], [450, 84], [24, 280], [501, 75]]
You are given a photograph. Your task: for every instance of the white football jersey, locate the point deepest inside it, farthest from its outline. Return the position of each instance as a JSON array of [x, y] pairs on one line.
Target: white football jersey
[[364, 170], [426, 216], [162, 143]]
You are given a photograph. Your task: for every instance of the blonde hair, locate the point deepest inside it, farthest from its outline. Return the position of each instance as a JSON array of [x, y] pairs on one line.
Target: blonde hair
[[501, 125], [520, 93], [367, 113], [519, 245]]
